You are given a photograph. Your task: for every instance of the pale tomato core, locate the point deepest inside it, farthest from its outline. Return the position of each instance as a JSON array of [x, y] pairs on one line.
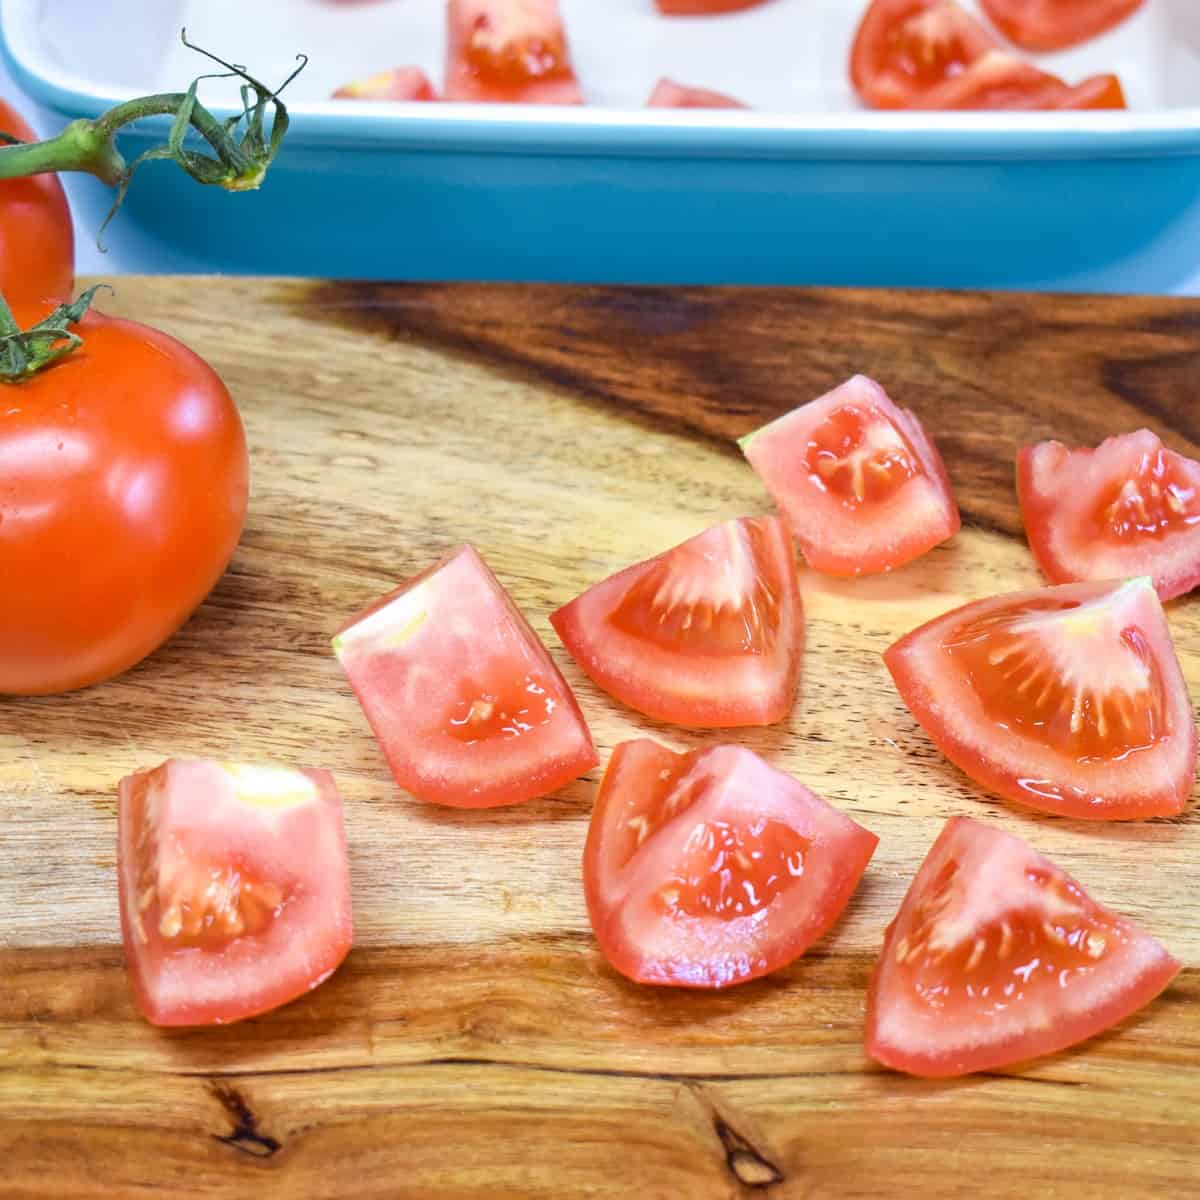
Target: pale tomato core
[[858, 456], [508, 711], [932, 45], [1155, 500]]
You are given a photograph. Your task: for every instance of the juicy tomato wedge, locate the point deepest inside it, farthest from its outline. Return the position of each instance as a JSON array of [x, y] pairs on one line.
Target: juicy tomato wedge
[[234, 888], [1128, 507], [859, 481], [509, 51], [37, 240], [711, 868], [669, 94], [467, 704], [998, 81], [1067, 699], [401, 83], [998, 956], [702, 8], [1056, 24], [906, 47], [708, 634]]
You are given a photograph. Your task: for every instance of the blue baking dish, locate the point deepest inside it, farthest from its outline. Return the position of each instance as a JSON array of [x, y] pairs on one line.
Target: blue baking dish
[[804, 189]]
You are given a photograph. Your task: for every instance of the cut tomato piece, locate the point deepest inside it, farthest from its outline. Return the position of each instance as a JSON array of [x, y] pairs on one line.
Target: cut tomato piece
[[466, 702], [234, 888], [508, 51], [703, 8], [669, 94], [998, 81], [997, 956], [906, 47], [708, 634], [401, 83], [711, 868], [862, 486], [1056, 24], [1128, 507], [1069, 699]]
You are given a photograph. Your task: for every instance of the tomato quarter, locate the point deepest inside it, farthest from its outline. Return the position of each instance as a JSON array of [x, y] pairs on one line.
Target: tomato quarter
[[997, 956], [467, 704], [1056, 24], [859, 481], [234, 888], [1128, 507], [402, 83], [711, 868], [669, 94], [707, 634], [1069, 699]]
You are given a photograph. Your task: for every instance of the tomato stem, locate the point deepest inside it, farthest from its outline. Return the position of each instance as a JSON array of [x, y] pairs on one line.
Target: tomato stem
[[25, 352]]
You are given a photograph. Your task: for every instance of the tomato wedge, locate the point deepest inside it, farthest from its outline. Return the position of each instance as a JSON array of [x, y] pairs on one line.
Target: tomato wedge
[[708, 634], [467, 704], [508, 51], [1056, 24], [999, 81], [234, 888], [702, 8], [711, 868], [998, 956], [861, 484], [401, 83], [1068, 699], [906, 47], [669, 94], [1128, 507]]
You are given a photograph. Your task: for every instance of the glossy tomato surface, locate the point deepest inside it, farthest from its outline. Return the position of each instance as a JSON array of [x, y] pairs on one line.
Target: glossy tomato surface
[[401, 83], [999, 81], [711, 868], [1128, 507], [669, 94], [1069, 699], [904, 48], [997, 956], [234, 888], [123, 485], [1056, 24], [37, 241], [707, 634], [464, 699], [859, 481], [508, 51]]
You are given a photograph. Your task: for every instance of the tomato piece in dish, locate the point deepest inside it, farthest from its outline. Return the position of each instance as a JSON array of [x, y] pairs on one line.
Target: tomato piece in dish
[[708, 634], [1128, 507], [508, 51], [669, 94], [999, 81], [711, 868], [464, 699], [1056, 24], [861, 484], [906, 47], [998, 956], [703, 8], [234, 888], [401, 83], [1068, 699]]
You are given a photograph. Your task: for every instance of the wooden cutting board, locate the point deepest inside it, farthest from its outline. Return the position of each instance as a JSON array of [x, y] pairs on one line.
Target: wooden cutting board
[[475, 1044]]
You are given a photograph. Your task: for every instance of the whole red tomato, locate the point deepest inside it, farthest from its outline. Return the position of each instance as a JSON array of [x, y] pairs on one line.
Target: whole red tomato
[[123, 487], [37, 245]]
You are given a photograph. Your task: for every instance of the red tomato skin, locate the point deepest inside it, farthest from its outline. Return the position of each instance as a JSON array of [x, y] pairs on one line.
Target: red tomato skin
[[400, 84], [123, 488], [669, 94], [1040, 26], [37, 240], [1156, 973], [702, 8], [1057, 535]]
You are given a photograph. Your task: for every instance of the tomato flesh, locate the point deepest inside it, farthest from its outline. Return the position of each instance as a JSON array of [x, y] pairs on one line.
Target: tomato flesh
[[711, 868], [1056, 24], [1069, 700], [998, 956], [464, 699], [708, 634], [234, 888], [37, 240], [702, 8], [402, 83], [860, 483], [669, 94], [1128, 507], [997, 81], [509, 51]]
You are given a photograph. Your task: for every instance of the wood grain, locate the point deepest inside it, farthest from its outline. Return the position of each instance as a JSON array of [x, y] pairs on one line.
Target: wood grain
[[475, 1043]]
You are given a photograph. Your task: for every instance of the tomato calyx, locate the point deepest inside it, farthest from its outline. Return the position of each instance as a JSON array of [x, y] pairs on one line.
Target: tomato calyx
[[25, 352]]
